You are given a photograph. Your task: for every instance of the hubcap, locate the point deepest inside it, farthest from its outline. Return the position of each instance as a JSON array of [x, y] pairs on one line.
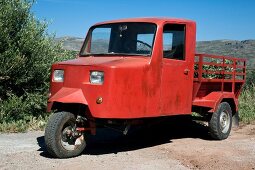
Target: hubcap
[[224, 122], [68, 140]]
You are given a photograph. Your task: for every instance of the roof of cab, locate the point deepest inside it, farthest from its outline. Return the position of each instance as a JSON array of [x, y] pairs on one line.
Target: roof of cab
[[148, 20]]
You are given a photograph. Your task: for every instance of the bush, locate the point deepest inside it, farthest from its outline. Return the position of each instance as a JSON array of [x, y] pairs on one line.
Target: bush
[[24, 112], [246, 104], [26, 51], [26, 55], [250, 79]]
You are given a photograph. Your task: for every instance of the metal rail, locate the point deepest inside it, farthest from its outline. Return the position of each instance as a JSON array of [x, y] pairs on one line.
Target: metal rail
[[221, 69]]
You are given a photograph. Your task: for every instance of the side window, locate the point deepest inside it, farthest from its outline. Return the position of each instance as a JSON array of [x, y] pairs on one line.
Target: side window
[[174, 41]]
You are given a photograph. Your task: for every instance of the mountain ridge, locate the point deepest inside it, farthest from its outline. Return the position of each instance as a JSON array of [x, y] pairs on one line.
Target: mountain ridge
[[235, 48]]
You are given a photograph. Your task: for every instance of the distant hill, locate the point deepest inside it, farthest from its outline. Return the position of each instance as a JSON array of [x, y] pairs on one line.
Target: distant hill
[[70, 43], [241, 49]]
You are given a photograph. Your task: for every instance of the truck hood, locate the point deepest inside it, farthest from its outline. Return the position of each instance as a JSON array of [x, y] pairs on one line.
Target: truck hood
[[108, 61]]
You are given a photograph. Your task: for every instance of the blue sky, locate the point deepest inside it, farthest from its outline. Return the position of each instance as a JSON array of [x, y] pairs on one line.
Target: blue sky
[[216, 19]]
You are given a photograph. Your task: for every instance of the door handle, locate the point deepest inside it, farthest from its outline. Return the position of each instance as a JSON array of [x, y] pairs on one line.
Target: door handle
[[186, 71]]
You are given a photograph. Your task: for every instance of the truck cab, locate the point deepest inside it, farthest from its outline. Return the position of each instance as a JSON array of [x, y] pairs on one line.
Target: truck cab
[[143, 66], [133, 69]]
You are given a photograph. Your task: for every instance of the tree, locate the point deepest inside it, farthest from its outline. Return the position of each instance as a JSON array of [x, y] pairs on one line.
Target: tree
[[26, 55], [26, 51]]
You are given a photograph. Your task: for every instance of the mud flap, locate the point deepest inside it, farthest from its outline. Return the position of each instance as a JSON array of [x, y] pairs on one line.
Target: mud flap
[[235, 120]]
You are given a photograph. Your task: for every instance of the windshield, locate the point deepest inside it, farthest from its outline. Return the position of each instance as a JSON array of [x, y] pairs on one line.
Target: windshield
[[120, 39]]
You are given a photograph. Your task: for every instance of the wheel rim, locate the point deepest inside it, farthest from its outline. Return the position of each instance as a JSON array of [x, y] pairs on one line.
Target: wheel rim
[[68, 140], [224, 122]]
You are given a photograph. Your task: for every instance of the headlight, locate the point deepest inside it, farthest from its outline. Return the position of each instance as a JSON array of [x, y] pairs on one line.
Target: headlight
[[58, 76], [96, 77]]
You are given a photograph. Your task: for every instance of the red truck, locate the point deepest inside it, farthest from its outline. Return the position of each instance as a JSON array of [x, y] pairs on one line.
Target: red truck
[[134, 69]]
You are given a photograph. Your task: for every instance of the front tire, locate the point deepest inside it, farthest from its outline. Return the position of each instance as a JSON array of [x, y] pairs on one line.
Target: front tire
[[59, 139], [221, 122]]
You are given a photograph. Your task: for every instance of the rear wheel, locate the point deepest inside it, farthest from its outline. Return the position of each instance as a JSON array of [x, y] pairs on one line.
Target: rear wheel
[[221, 122], [61, 138]]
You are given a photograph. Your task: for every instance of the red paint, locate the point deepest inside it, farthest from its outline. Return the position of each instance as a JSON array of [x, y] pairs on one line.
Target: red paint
[[138, 87], [69, 95]]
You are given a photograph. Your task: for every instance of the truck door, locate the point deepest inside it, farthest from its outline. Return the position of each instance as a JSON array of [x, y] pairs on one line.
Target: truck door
[[177, 74]]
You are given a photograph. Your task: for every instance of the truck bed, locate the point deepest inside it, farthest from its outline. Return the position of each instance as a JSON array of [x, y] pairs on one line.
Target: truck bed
[[217, 75]]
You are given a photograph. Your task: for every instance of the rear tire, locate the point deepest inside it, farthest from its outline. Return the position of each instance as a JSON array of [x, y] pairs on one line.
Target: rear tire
[[59, 142], [221, 122]]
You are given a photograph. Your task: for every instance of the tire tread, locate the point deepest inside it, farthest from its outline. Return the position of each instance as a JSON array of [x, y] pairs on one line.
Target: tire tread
[[214, 122], [51, 133]]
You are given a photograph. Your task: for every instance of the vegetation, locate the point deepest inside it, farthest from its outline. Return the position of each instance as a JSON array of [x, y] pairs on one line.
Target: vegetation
[[26, 55], [247, 99], [246, 104]]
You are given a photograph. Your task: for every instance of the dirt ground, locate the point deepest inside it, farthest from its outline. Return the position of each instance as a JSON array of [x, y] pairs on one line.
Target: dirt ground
[[168, 145]]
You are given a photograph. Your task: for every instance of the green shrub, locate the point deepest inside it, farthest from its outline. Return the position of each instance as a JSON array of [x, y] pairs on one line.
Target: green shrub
[[250, 79], [26, 55], [20, 113], [247, 104], [26, 51]]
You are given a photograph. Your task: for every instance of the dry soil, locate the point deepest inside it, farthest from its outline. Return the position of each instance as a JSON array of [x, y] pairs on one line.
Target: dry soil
[[160, 146]]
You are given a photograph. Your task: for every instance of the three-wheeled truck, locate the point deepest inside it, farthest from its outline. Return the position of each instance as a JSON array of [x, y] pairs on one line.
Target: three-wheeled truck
[[134, 69]]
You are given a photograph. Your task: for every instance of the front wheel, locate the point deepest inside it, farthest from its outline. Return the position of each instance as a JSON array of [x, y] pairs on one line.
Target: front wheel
[[221, 122], [61, 138]]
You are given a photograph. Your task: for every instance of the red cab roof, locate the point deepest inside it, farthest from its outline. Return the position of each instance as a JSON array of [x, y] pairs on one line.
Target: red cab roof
[[149, 20]]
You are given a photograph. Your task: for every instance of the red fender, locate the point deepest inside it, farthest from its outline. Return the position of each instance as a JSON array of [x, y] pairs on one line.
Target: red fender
[[69, 95], [213, 99]]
